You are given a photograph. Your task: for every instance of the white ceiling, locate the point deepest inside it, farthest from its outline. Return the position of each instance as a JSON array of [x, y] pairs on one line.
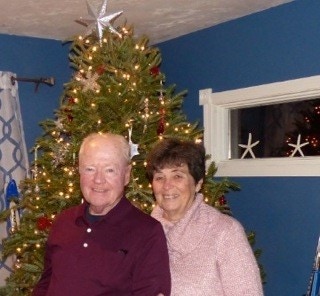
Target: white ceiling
[[160, 20]]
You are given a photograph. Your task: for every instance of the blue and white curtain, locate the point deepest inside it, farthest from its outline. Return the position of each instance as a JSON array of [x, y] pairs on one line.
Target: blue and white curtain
[[14, 165]]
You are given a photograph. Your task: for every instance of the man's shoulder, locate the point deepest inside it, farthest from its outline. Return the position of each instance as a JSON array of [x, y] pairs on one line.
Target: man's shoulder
[[72, 211], [138, 216]]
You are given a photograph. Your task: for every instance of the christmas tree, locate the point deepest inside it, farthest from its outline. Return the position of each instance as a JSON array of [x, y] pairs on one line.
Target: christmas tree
[[117, 87], [305, 128]]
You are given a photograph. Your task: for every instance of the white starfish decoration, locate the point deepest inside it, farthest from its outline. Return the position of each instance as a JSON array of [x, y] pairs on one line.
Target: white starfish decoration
[[298, 146], [59, 124], [98, 20], [133, 147], [249, 147], [90, 82]]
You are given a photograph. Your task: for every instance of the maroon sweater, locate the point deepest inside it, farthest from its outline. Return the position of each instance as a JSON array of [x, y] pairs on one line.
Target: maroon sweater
[[124, 253]]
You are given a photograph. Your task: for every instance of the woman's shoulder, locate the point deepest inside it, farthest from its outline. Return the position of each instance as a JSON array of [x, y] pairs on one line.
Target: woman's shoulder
[[215, 216]]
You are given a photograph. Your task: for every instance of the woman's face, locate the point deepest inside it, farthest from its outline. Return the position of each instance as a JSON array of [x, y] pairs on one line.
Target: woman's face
[[174, 189]]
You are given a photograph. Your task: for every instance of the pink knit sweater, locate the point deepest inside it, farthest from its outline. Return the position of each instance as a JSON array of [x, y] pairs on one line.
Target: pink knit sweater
[[209, 254]]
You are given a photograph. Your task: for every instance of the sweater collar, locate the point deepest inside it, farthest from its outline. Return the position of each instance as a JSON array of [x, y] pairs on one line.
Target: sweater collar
[[186, 234]]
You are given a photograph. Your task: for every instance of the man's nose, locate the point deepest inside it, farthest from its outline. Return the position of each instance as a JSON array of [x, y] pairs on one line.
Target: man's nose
[[99, 176]]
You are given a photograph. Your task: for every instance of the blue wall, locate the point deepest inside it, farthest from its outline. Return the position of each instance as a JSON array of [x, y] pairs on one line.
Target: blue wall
[[34, 58], [278, 44], [275, 45]]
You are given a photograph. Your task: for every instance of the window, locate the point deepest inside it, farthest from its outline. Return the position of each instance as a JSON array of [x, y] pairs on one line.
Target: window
[[220, 128]]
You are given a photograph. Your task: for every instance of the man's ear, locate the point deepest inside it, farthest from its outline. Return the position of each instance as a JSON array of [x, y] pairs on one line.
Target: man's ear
[[128, 174]]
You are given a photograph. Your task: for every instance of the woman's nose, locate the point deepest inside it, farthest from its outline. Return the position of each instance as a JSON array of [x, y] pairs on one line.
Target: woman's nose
[[167, 184]]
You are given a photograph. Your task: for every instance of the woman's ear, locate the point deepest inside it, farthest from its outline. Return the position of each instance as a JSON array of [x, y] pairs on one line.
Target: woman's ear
[[199, 185]]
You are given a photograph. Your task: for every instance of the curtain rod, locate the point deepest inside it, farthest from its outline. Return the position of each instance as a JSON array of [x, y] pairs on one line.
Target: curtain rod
[[45, 80]]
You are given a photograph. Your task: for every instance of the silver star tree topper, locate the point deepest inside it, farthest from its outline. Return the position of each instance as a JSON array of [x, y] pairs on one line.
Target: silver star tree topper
[[98, 20]]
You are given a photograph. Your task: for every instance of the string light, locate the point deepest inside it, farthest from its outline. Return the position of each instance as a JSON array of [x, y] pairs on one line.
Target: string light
[[17, 264]]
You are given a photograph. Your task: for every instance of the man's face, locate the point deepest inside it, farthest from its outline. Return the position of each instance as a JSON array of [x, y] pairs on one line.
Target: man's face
[[103, 174]]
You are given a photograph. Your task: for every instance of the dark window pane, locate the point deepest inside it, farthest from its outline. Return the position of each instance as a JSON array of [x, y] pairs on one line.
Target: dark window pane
[[274, 126]]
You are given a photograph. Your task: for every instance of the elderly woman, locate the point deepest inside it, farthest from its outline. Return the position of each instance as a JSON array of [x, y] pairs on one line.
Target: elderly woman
[[209, 251]]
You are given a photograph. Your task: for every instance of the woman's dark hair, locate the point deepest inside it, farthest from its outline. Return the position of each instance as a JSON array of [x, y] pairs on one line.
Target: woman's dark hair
[[174, 152]]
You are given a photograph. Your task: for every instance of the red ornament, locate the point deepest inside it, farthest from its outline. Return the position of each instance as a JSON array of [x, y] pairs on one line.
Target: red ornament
[[154, 71], [160, 129], [222, 200], [71, 101], [70, 117], [44, 223], [68, 112], [101, 70]]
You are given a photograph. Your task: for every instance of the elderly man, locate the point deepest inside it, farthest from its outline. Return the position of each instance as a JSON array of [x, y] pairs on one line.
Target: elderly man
[[105, 246]]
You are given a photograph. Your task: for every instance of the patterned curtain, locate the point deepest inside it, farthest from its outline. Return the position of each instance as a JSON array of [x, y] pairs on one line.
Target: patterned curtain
[[13, 154]]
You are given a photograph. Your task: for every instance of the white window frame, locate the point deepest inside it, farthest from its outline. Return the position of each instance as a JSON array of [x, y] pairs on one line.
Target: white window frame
[[216, 119]]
